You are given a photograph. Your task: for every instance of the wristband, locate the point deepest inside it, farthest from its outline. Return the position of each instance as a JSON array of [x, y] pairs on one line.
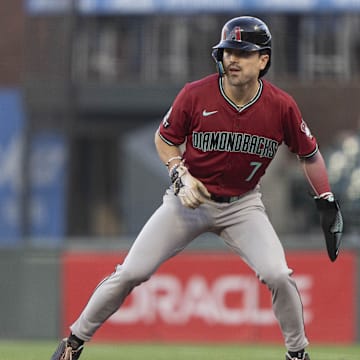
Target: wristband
[[173, 158]]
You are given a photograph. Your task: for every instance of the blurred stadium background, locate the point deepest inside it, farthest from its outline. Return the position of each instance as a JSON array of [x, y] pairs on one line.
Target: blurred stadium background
[[83, 86]]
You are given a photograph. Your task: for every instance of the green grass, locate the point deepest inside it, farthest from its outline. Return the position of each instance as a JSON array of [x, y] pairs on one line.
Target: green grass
[[36, 350]]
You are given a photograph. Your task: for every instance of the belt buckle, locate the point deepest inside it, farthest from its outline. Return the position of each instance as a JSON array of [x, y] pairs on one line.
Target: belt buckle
[[233, 198]]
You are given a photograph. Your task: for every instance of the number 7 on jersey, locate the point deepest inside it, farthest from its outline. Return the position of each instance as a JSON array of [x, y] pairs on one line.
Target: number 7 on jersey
[[256, 166]]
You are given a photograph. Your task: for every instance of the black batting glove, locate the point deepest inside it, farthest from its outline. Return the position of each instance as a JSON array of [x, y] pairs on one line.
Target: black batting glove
[[331, 222]]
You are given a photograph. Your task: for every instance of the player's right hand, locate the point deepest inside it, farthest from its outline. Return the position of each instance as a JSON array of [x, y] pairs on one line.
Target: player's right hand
[[191, 191]]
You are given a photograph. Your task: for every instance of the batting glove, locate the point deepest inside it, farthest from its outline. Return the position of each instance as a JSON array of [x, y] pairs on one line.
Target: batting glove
[[191, 191], [331, 222]]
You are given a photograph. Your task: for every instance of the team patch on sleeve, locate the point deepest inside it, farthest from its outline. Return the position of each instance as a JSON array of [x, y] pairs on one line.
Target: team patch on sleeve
[[304, 128]]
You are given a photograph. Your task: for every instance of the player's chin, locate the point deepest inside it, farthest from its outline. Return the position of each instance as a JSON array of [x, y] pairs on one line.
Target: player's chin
[[234, 81], [240, 80]]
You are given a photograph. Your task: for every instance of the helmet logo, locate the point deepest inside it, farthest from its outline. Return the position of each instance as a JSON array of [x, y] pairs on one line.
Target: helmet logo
[[237, 32], [234, 34]]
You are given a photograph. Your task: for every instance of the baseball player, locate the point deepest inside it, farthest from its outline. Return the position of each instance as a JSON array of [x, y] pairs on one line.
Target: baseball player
[[231, 123]]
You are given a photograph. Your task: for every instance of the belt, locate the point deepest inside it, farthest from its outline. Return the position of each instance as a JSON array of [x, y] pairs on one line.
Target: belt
[[224, 199]]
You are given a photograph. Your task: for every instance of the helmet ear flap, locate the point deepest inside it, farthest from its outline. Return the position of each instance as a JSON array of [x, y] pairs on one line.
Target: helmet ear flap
[[217, 55]]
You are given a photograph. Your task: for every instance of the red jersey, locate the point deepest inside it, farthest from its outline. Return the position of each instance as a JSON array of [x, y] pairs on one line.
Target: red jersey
[[229, 148]]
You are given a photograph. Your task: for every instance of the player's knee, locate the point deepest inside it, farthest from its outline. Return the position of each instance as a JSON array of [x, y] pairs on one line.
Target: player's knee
[[130, 278], [277, 279]]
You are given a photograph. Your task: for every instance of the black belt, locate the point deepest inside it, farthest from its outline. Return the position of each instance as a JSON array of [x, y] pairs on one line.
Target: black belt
[[224, 199]]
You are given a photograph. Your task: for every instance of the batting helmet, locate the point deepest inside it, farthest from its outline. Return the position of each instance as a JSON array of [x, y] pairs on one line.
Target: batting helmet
[[246, 33]]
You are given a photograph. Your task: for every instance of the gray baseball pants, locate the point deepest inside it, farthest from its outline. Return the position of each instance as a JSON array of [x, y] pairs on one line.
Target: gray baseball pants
[[245, 228]]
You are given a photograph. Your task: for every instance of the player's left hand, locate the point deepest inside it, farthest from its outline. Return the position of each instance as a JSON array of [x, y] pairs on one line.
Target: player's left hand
[[331, 222], [191, 191]]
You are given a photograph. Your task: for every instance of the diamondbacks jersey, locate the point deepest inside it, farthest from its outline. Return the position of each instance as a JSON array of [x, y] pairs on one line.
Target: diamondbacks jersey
[[229, 148]]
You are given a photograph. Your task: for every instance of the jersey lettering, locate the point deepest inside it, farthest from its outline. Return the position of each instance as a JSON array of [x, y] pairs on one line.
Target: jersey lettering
[[235, 142]]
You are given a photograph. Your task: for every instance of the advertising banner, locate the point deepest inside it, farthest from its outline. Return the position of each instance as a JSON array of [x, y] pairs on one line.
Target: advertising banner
[[48, 164], [46, 176], [11, 130], [215, 297]]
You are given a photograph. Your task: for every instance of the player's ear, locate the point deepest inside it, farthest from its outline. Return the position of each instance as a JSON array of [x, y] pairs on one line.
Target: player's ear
[[264, 59]]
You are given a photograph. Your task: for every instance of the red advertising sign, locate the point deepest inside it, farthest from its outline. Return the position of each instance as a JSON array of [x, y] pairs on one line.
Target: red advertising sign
[[215, 297]]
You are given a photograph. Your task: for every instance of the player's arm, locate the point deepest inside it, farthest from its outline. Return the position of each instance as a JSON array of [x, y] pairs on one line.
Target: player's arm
[[191, 192], [170, 155], [316, 174], [328, 207]]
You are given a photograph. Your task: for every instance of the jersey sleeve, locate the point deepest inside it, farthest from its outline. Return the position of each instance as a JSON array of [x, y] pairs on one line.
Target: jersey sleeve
[[174, 127], [298, 136]]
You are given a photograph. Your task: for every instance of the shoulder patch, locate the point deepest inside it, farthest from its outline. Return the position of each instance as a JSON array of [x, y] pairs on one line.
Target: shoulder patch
[[305, 129]]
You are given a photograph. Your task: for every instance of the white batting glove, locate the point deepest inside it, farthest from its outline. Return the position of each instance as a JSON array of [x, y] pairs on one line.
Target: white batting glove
[[191, 191]]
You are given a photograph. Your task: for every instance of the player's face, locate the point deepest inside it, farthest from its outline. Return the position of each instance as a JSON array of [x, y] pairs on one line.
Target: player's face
[[242, 67]]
